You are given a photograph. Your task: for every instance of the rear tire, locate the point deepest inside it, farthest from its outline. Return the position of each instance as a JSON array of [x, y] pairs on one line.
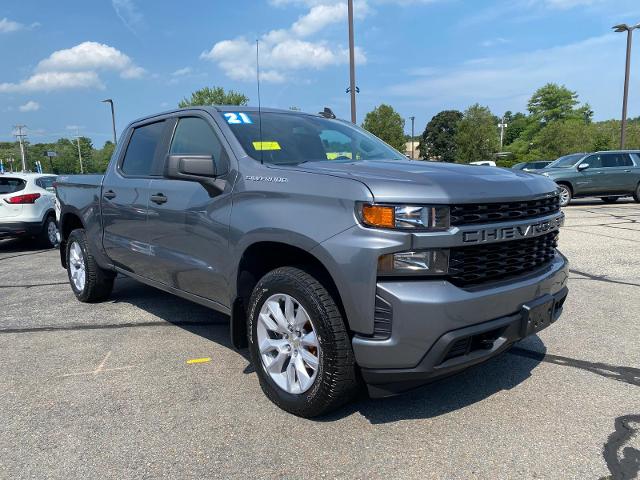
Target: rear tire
[[609, 199], [565, 195], [636, 194], [333, 382], [48, 237], [89, 282]]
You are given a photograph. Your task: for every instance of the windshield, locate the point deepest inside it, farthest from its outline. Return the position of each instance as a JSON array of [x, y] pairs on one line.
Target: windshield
[[296, 138], [567, 161]]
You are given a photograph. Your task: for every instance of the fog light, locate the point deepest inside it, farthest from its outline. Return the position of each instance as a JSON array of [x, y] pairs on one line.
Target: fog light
[[422, 262]]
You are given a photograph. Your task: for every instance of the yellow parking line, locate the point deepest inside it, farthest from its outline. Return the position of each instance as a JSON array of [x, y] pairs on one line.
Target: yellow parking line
[[199, 360]]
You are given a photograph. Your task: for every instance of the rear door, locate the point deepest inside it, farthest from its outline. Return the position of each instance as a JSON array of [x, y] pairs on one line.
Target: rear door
[[125, 197], [619, 175], [188, 223]]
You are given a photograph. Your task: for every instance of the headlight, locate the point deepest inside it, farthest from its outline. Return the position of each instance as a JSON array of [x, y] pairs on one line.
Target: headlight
[[405, 217], [421, 262]]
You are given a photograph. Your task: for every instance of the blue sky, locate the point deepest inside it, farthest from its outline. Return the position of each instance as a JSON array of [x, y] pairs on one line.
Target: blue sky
[[421, 56]]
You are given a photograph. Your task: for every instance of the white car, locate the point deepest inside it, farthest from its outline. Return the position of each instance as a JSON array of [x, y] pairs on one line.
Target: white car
[[486, 163], [27, 207]]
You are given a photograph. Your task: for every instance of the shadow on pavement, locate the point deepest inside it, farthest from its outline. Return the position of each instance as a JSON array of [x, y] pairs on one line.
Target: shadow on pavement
[[19, 246], [187, 315]]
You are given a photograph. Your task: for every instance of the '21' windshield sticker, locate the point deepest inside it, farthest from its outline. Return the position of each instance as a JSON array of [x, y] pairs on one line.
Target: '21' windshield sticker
[[234, 118]]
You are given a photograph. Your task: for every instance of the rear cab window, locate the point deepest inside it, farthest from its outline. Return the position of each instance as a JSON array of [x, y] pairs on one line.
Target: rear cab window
[[139, 159], [11, 185], [46, 182]]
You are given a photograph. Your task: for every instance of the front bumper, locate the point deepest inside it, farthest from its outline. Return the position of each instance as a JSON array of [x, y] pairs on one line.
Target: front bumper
[[434, 320], [19, 229]]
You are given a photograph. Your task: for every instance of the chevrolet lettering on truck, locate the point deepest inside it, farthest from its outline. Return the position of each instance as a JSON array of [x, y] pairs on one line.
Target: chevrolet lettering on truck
[[340, 263]]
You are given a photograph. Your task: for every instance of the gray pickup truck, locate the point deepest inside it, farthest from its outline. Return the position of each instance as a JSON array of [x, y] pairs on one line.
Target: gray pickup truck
[[339, 261]]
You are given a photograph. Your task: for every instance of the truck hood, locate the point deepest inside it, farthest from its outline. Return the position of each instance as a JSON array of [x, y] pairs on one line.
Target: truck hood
[[446, 183]]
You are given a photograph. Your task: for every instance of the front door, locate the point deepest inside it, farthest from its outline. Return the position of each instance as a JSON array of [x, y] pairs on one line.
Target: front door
[[590, 181], [125, 198], [188, 223]]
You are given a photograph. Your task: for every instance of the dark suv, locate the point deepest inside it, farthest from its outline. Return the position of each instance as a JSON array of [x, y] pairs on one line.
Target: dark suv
[[608, 175]]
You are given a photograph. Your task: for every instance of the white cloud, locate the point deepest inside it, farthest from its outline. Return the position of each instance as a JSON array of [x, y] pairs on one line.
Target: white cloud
[[494, 42], [128, 13], [506, 82], [48, 81], [284, 51], [76, 67], [8, 26], [30, 106], [181, 72], [90, 56]]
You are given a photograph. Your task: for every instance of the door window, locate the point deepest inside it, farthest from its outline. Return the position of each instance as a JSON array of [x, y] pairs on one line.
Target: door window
[[45, 182], [194, 136], [140, 155], [594, 161]]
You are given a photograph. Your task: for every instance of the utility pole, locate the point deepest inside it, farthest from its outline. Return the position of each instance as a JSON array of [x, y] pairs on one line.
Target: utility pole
[[502, 126], [352, 63], [20, 137], [79, 153], [412, 135]]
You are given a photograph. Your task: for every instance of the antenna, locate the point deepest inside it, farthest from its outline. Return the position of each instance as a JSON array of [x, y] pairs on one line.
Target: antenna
[[259, 101]]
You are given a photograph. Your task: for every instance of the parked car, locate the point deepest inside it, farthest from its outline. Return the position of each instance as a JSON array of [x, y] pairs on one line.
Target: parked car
[[531, 166], [485, 163], [27, 207], [608, 175], [336, 258]]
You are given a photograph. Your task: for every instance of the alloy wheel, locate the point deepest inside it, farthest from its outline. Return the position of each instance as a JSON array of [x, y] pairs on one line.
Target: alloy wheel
[[288, 344], [77, 267]]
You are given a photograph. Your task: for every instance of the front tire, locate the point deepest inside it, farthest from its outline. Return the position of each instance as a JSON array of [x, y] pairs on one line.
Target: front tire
[[89, 282], [565, 195], [609, 199], [636, 194], [299, 344]]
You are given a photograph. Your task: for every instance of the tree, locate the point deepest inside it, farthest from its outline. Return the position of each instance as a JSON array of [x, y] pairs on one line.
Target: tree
[[553, 102], [477, 136], [214, 96], [387, 124], [516, 124], [438, 139]]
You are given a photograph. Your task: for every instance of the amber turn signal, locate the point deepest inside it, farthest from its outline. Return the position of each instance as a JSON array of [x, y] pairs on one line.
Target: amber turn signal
[[378, 216]]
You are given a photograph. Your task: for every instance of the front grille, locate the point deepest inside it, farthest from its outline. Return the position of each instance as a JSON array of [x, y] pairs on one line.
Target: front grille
[[501, 212], [497, 261]]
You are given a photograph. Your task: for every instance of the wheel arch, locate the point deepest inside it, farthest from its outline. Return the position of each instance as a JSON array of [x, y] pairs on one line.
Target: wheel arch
[[260, 258], [69, 221]]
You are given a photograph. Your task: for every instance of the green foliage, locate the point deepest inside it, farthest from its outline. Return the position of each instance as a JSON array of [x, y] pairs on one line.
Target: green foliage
[[516, 124], [477, 136], [214, 96], [387, 124], [552, 102], [438, 139]]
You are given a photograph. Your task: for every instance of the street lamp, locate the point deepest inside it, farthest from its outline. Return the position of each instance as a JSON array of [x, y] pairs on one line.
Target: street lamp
[[625, 28], [113, 118]]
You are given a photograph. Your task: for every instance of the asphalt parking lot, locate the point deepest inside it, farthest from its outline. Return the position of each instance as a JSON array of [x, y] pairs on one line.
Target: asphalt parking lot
[[106, 391]]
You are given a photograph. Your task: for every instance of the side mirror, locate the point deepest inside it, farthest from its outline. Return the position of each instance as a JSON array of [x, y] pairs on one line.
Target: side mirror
[[195, 168], [583, 166]]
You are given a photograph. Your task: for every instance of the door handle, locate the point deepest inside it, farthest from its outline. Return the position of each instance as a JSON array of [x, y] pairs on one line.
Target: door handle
[[110, 195], [627, 171], [158, 198]]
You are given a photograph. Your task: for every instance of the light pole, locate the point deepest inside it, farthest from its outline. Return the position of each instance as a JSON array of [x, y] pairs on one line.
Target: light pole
[[79, 153], [625, 28], [412, 122], [352, 63], [502, 125], [113, 118]]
